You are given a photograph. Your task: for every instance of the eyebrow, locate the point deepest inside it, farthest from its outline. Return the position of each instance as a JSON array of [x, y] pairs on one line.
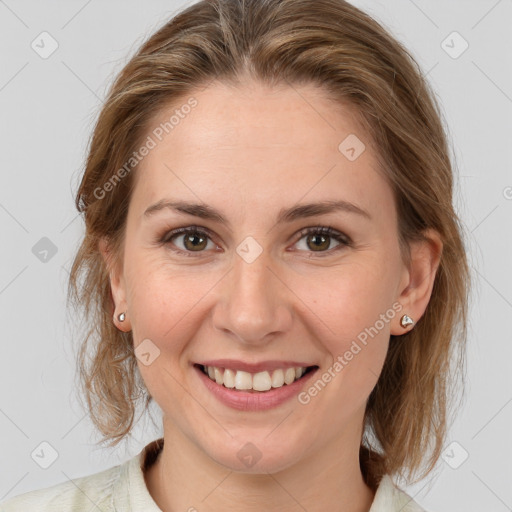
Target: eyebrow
[[301, 211]]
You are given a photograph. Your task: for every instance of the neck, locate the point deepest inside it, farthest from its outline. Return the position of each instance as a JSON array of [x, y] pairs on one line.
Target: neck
[[185, 478]]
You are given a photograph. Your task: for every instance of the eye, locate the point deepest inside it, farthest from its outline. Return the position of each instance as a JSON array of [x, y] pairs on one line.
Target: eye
[[194, 239], [319, 238]]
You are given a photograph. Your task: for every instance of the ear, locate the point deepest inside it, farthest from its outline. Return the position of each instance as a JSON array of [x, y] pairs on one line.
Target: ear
[[418, 279], [117, 286]]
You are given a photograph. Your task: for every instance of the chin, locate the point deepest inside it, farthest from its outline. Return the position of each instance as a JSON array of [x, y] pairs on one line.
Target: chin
[[255, 457]]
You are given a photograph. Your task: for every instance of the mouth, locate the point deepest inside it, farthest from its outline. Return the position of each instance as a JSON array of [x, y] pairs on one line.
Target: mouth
[[255, 382]]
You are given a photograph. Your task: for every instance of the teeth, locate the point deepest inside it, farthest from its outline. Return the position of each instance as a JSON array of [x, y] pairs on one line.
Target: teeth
[[277, 378], [229, 378], [261, 381], [243, 380], [219, 376], [289, 375]]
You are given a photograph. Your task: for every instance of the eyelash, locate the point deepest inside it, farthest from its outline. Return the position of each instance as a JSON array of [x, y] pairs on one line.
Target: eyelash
[[343, 239]]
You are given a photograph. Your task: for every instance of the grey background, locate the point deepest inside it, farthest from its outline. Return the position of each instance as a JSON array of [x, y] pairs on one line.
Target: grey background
[[47, 110]]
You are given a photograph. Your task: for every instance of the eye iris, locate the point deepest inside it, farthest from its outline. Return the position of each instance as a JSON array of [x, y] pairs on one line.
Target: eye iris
[[323, 245], [190, 237]]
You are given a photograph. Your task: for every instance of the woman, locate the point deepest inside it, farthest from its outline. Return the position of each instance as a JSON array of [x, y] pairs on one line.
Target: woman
[[272, 256]]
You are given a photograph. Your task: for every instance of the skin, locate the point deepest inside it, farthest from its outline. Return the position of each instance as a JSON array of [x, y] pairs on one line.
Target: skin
[[238, 150]]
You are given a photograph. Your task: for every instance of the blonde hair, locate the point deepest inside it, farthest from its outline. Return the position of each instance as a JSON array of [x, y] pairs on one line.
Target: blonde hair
[[336, 46]]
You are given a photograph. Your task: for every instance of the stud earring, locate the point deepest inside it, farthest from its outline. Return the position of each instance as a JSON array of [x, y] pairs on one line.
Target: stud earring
[[121, 317], [405, 321]]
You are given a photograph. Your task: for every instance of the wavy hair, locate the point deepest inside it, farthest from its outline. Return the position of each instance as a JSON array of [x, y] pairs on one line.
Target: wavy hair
[[332, 44]]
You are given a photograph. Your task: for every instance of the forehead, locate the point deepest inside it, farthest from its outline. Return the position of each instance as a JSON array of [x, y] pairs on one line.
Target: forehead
[[253, 143], [252, 115]]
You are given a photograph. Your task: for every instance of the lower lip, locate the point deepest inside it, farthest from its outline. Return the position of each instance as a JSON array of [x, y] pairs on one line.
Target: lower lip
[[258, 400]]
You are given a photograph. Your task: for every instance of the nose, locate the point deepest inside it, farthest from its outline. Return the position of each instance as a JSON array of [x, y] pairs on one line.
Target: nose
[[254, 304]]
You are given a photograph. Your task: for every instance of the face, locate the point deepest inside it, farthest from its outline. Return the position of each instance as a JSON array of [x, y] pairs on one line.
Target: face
[[250, 288]]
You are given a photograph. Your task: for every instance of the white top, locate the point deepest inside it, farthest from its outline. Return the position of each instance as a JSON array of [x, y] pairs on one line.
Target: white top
[[122, 488]]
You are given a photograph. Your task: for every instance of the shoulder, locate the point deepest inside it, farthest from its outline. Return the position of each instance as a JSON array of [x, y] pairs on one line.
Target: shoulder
[[121, 487], [78, 494], [390, 498]]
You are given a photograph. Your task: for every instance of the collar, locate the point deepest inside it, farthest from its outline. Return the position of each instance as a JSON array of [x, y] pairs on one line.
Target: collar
[[131, 493]]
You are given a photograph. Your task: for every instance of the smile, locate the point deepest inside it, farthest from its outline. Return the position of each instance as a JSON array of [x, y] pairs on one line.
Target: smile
[[253, 391], [260, 381]]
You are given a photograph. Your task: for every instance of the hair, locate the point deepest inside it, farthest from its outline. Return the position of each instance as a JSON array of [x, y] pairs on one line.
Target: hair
[[355, 61]]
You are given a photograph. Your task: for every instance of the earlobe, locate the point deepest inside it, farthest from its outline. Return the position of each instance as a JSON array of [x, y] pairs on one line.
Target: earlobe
[[120, 317], [416, 291]]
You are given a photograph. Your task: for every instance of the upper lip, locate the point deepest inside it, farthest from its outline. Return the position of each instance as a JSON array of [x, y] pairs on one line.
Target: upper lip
[[236, 364]]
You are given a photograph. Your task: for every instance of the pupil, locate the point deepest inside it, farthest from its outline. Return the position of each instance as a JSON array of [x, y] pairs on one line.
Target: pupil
[[320, 236], [190, 239]]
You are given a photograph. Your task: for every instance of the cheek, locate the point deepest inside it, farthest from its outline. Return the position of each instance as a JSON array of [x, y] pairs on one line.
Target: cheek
[[161, 305], [348, 299], [357, 311], [168, 305], [354, 304], [165, 308]]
